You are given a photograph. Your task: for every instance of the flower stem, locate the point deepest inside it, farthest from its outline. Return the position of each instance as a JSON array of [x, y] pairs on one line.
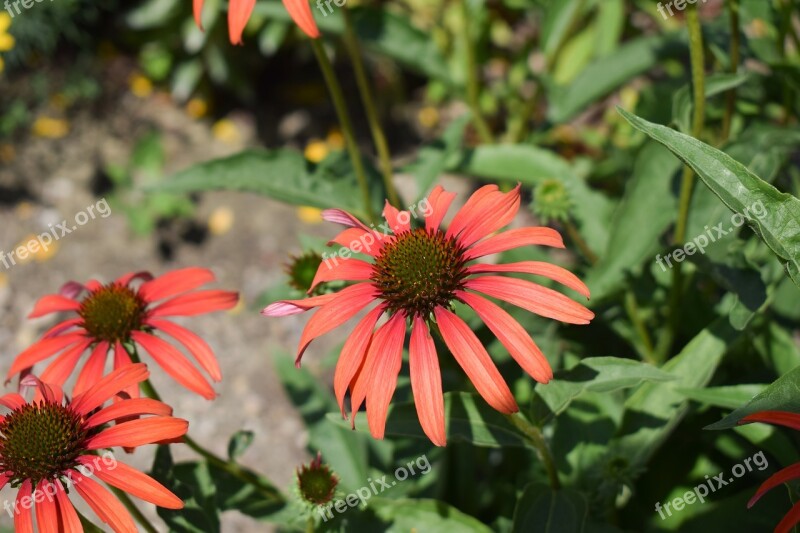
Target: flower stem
[[347, 125], [378, 135], [575, 235], [730, 102], [534, 436], [632, 308], [687, 181], [473, 83], [135, 512]]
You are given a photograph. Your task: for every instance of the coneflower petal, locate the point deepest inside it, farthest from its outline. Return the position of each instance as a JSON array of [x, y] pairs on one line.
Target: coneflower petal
[[779, 478], [352, 355], [197, 9], [515, 238], [780, 418], [537, 268], [23, 519], [61, 368], [495, 212], [66, 511], [121, 359], [175, 364], [473, 358], [108, 386], [53, 303], [383, 362], [139, 432], [61, 327], [106, 507], [136, 483], [439, 201], [12, 400], [367, 242], [346, 305], [426, 382], [93, 369], [46, 512], [126, 279], [511, 335], [175, 283], [239, 12], [295, 307], [791, 519], [42, 350], [339, 216], [532, 297], [342, 270], [196, 303], [395, 218], [470, 210], [199, 348], [300, 12], [126, 408]]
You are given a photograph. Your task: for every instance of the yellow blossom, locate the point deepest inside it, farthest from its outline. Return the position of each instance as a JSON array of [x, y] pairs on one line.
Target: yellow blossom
[[140, 86], [50, 128], [316, 150], [226, 131], [309, 215]]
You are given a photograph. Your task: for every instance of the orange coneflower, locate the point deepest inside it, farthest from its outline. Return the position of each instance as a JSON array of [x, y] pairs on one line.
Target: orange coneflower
[[239, 12], [415, 277], [790, 473], [50, 445], [110, 316]]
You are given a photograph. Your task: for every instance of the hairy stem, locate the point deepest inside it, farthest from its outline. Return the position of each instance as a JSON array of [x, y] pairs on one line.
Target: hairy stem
[[534, 436]]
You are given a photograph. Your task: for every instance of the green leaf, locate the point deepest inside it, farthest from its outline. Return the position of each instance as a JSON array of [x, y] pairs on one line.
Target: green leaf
[[545, 510], [644, 214], [596, 374], [239, 443], [729, 397], [656, 409], [280, 174], [739, 189], [430, 516], [716, 84], [467, 417], [782, 395]]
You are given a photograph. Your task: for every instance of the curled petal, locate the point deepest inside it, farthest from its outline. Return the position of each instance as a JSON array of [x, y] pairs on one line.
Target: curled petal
[[295, 307], [779, 418], [791, 519], [779, 478], [338, 216], [133, 276]]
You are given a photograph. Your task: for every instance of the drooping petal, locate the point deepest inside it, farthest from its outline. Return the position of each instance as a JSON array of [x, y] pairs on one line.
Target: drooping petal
[[780, 418], [342, 270], [383, 362], [426, 382], [470, 209], [399, 221], [42, 350], [239, 12], [68, 517], [295, 307], [495, 212], [12, 400], [300, 11], [791, 519], [779, 478], [175, 283], [108, 386], [53, 303], [46, 511], [472, 356], [135, 483], [439, 201], [352, 355], [196, 303], [93, 369], [175, 364], [104, 504], [23, 517], [199, 348], [71, 289], [133, 276], [126, 408], [139, 432], [339, 216], [532, 297], [61, 368], [512, 335], [197, 9], [346, 305], [515, 238], [537, 268]]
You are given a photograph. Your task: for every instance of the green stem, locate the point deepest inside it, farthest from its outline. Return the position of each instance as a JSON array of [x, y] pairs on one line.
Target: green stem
[[344, 119], [632, 308], [687, 181], [730, 102], [576, 237], [310, 525], [378, 135], [534, 436], [135, 512], [473, 82]]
